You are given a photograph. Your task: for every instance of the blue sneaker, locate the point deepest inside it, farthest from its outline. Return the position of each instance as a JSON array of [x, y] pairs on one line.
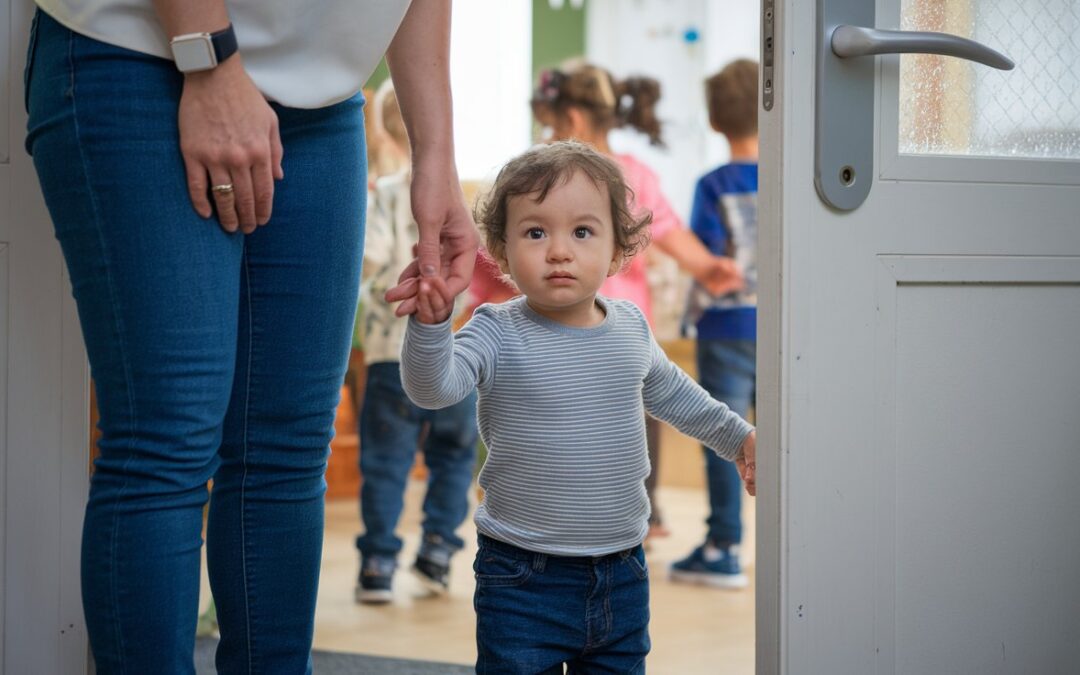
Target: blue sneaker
[[710, 565], [375, 585]]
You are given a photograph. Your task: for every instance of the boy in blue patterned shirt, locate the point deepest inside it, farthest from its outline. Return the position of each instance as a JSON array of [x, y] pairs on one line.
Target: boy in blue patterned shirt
[[724, 217]]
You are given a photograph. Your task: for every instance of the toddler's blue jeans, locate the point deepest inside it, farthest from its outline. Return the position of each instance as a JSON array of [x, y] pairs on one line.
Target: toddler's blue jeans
[[535, 612], [726, 369], [390, 426], [214, 355]]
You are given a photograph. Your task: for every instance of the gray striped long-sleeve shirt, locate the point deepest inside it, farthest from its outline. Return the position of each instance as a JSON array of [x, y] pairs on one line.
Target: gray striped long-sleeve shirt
[[561, 411]]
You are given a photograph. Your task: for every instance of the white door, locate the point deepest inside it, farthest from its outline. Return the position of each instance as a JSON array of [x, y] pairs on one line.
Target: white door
[[920, 373], [43, 404]]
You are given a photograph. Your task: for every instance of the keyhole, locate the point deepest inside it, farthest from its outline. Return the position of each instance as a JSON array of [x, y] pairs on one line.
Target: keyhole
[[847, 176]]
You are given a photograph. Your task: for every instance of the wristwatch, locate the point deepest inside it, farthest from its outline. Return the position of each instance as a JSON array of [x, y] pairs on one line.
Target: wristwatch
[[202, 51]]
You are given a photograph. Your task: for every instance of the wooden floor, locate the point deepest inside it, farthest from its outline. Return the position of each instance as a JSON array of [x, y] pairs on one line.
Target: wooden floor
[[694, 629]]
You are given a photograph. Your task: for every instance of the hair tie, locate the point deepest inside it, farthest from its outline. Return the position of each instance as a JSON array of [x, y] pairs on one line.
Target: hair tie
[[550, 87]]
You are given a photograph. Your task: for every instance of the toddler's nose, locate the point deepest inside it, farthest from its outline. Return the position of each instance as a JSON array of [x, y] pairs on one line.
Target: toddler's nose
[[558, 250]]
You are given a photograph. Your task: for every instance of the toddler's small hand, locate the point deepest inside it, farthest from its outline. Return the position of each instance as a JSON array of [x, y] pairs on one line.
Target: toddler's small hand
[[435, 303], [746, 461]]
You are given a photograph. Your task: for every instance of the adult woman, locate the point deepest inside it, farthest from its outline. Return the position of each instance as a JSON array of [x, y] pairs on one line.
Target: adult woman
[[218, 352]]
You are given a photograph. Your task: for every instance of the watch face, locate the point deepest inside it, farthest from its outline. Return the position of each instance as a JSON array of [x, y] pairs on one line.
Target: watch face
[[193, 53]]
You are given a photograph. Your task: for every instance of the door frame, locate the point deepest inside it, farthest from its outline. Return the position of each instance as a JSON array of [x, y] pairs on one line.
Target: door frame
[[44, 404], [778, 316]]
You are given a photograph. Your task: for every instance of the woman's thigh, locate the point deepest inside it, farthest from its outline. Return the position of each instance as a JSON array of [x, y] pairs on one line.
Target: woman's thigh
[[299, 282], [157, 287]]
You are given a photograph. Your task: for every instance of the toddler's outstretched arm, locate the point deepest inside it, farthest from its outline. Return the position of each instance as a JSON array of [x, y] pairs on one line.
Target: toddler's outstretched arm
[[438, 368]]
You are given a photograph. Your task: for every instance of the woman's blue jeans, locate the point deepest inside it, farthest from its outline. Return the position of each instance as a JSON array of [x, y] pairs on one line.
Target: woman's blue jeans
[[215, 356]]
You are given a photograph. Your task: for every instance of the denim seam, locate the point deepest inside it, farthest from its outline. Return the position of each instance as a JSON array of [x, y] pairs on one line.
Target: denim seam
[[588, 611], [610, 569], [118, 327], [243, 480]]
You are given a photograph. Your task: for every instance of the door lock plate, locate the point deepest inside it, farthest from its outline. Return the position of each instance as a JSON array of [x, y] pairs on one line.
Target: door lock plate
[[844, 136]]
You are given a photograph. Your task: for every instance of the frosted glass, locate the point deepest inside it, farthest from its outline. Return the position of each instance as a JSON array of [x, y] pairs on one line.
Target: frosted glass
[[953, 107]]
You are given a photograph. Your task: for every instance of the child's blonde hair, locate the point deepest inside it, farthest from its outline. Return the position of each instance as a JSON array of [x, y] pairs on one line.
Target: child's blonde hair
[[543, 167], [608, 103], [389, 143], [732, 96]]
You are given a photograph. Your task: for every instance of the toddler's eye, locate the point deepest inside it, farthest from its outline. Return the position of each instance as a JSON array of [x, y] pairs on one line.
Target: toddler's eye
[[583, 232], [534, 233]]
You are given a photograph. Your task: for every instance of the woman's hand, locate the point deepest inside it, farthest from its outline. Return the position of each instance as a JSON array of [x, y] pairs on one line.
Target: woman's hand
[[448, 237], [231, 146]]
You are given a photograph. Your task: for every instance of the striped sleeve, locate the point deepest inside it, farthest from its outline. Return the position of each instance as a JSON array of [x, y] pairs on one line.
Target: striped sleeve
[[439, 369], [674, 397]]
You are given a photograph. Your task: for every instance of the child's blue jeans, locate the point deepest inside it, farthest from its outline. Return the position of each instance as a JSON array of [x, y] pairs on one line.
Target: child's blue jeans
[[535, 612], [390, 426], [214, 355], [726, 369]]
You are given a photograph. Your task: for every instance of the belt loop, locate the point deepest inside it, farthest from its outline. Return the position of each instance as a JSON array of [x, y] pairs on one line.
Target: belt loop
[[539, 561]]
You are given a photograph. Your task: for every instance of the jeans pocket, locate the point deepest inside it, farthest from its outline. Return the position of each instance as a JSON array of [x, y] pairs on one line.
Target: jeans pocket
[[494, 568], [636, 562], [30, 49]]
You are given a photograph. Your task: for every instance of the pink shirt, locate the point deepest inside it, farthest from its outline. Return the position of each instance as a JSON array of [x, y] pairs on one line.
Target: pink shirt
[[632, 284]]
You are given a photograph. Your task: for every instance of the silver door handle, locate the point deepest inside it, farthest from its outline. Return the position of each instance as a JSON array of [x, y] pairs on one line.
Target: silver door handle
[[852, 41]]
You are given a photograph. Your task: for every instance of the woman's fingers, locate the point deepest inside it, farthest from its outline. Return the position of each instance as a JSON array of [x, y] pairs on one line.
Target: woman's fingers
[[407, 307], [277, 152], [223, 192], [244, 199], [198, 187], [262, 179]]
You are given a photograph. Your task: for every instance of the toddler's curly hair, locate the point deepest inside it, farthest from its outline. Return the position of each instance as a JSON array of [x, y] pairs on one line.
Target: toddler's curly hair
[[538, 170]]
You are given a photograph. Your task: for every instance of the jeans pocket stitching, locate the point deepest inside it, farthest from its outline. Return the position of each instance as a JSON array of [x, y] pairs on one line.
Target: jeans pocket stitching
[[640, 570], [524, 570]]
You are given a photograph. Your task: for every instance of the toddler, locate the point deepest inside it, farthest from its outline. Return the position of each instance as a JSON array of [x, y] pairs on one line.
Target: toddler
[[564, 377]]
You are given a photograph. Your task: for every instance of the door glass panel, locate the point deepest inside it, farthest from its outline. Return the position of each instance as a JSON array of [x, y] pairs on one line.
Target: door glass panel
[[953, 107]]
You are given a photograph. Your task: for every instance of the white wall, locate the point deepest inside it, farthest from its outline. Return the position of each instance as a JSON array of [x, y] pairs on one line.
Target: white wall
[[647, 37], [490, 71]]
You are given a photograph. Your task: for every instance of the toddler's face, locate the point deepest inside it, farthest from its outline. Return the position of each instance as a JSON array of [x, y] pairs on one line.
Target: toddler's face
[[560, 250]]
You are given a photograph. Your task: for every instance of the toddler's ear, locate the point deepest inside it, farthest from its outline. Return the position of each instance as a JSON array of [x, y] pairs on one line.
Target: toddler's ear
[[616, 265]]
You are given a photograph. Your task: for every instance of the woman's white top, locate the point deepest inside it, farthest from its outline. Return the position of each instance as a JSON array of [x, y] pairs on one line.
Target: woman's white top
[[300, 54]]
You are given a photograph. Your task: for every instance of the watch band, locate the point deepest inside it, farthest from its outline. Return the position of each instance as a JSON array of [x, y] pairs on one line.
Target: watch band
[[224, 42]]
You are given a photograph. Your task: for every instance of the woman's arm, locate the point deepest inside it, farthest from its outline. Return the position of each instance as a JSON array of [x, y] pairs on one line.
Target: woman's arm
[[419, 60], [228, 132]]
